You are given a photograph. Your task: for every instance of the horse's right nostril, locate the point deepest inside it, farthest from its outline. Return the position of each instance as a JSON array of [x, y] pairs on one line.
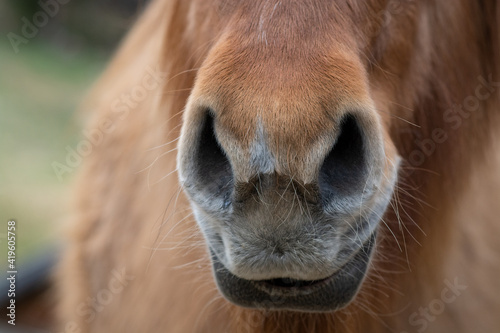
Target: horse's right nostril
[[212, 168], [343, 171]]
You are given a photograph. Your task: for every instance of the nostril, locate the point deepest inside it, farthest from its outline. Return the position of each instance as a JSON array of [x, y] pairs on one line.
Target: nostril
[[212, 168], [343, 170]]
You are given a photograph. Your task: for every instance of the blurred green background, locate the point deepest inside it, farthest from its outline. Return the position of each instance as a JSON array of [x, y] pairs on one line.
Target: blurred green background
[[42, 81]]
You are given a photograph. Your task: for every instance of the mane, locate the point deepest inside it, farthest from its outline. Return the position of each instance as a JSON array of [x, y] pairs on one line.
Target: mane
[[424, 232]]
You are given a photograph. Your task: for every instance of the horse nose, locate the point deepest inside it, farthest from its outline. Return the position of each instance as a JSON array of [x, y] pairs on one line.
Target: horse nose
[[342, 166]]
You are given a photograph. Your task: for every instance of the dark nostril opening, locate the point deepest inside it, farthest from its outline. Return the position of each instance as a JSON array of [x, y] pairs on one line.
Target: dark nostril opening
[[343, 170], [212, 166]]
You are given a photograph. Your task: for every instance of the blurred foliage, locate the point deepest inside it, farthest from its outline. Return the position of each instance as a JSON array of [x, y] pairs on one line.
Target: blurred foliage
[[24, 8], [29, 7], [41, 86], [90, 23], [40, 89]]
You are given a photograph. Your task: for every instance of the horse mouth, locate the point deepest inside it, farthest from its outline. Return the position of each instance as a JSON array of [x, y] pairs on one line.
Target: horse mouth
[[287, 287], [324, 295]]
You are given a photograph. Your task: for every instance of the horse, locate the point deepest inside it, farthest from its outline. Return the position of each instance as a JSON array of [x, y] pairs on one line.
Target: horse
[[291, 166]]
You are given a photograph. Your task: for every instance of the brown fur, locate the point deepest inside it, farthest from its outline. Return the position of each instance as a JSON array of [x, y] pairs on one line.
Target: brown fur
[[443, 220]]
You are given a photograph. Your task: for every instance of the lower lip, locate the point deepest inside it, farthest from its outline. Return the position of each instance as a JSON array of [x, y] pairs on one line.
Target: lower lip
[[301, 287], [296, 287]]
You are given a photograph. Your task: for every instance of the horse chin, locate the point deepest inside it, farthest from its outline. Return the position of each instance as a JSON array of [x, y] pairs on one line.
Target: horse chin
[[325, 295]]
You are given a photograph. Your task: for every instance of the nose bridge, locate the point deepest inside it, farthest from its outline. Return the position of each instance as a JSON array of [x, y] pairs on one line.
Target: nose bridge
[[262, 159], [288, 145], [299, 136]]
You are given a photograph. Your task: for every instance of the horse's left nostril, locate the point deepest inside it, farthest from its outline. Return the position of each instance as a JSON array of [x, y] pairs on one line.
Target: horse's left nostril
[[211, 166], [343, 171]]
